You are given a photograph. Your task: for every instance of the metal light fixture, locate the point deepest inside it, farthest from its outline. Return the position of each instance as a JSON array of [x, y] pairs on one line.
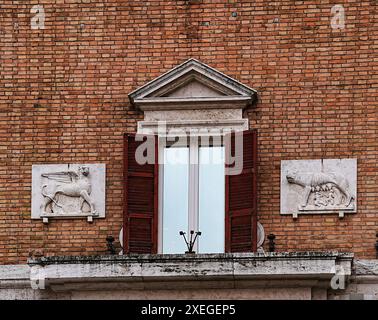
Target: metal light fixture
[[192, 241], [110, 245], [272, 244]]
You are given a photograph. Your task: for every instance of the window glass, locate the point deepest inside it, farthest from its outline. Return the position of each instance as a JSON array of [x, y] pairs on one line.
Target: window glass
[[175, 198], [211, 199]]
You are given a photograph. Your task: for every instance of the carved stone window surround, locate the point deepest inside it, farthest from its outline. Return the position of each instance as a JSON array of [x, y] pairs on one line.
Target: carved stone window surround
[[194, 99], [193, 96]]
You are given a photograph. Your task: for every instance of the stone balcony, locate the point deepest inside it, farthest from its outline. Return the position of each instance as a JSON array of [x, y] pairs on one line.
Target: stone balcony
[[310, 273]]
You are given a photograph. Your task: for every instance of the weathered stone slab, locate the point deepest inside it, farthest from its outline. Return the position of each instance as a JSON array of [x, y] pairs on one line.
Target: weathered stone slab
[[14, 272], [169, 270], [366, 267], [68, 191], [318, 186], [283, 275]]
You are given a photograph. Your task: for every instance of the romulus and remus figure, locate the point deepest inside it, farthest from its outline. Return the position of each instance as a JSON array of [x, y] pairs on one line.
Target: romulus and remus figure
[[320, 180]]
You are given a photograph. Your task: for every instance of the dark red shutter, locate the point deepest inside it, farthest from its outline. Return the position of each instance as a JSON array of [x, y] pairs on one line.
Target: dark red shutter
[[140, 200], [241, 198]]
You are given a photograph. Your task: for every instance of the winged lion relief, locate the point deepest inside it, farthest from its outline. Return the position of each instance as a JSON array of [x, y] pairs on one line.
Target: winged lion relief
[[67, 192]]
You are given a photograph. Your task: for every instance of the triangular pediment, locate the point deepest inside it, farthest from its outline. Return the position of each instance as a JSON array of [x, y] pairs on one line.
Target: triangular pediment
[[192, 85], [193, 88]]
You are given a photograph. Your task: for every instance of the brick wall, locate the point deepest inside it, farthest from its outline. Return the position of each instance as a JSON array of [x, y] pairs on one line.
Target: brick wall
[[63, 98]]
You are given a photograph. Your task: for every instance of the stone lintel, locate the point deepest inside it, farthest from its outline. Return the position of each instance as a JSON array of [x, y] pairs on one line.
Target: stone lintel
[[200, 127], [193, 103]]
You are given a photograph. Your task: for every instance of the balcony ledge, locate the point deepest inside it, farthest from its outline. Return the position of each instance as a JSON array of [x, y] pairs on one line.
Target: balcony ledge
[[230, 270]]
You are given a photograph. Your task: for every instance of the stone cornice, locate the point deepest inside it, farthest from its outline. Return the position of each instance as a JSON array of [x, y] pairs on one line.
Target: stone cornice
[[195, 103], [134, 271], [273, 256]]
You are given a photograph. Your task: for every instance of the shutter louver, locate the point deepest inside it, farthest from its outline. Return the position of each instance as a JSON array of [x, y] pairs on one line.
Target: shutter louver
[[140, 200], [241, 198]]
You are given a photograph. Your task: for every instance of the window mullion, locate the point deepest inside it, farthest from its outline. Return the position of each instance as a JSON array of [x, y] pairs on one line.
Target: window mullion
[[162, 144], [196, 194], [193, 187]]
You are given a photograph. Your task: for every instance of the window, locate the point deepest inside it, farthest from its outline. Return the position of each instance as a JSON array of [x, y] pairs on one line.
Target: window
[[175, 199], [192, 193]]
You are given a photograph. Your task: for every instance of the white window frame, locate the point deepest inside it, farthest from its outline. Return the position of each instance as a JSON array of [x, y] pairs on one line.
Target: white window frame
[[193, 189]]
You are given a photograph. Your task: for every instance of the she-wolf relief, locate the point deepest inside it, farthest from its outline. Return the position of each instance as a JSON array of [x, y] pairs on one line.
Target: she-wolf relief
[[330, 190], [318, 186], [67, 192]]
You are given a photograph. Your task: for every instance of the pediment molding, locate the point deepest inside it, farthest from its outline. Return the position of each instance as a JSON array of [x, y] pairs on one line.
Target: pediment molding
[[192, 85]]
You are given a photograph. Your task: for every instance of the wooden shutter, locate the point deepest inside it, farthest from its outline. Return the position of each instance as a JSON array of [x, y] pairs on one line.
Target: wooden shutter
[[241, 197], [140, 200]]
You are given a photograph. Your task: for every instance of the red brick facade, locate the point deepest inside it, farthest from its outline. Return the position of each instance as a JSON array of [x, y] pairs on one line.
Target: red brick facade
[[63, 99]]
